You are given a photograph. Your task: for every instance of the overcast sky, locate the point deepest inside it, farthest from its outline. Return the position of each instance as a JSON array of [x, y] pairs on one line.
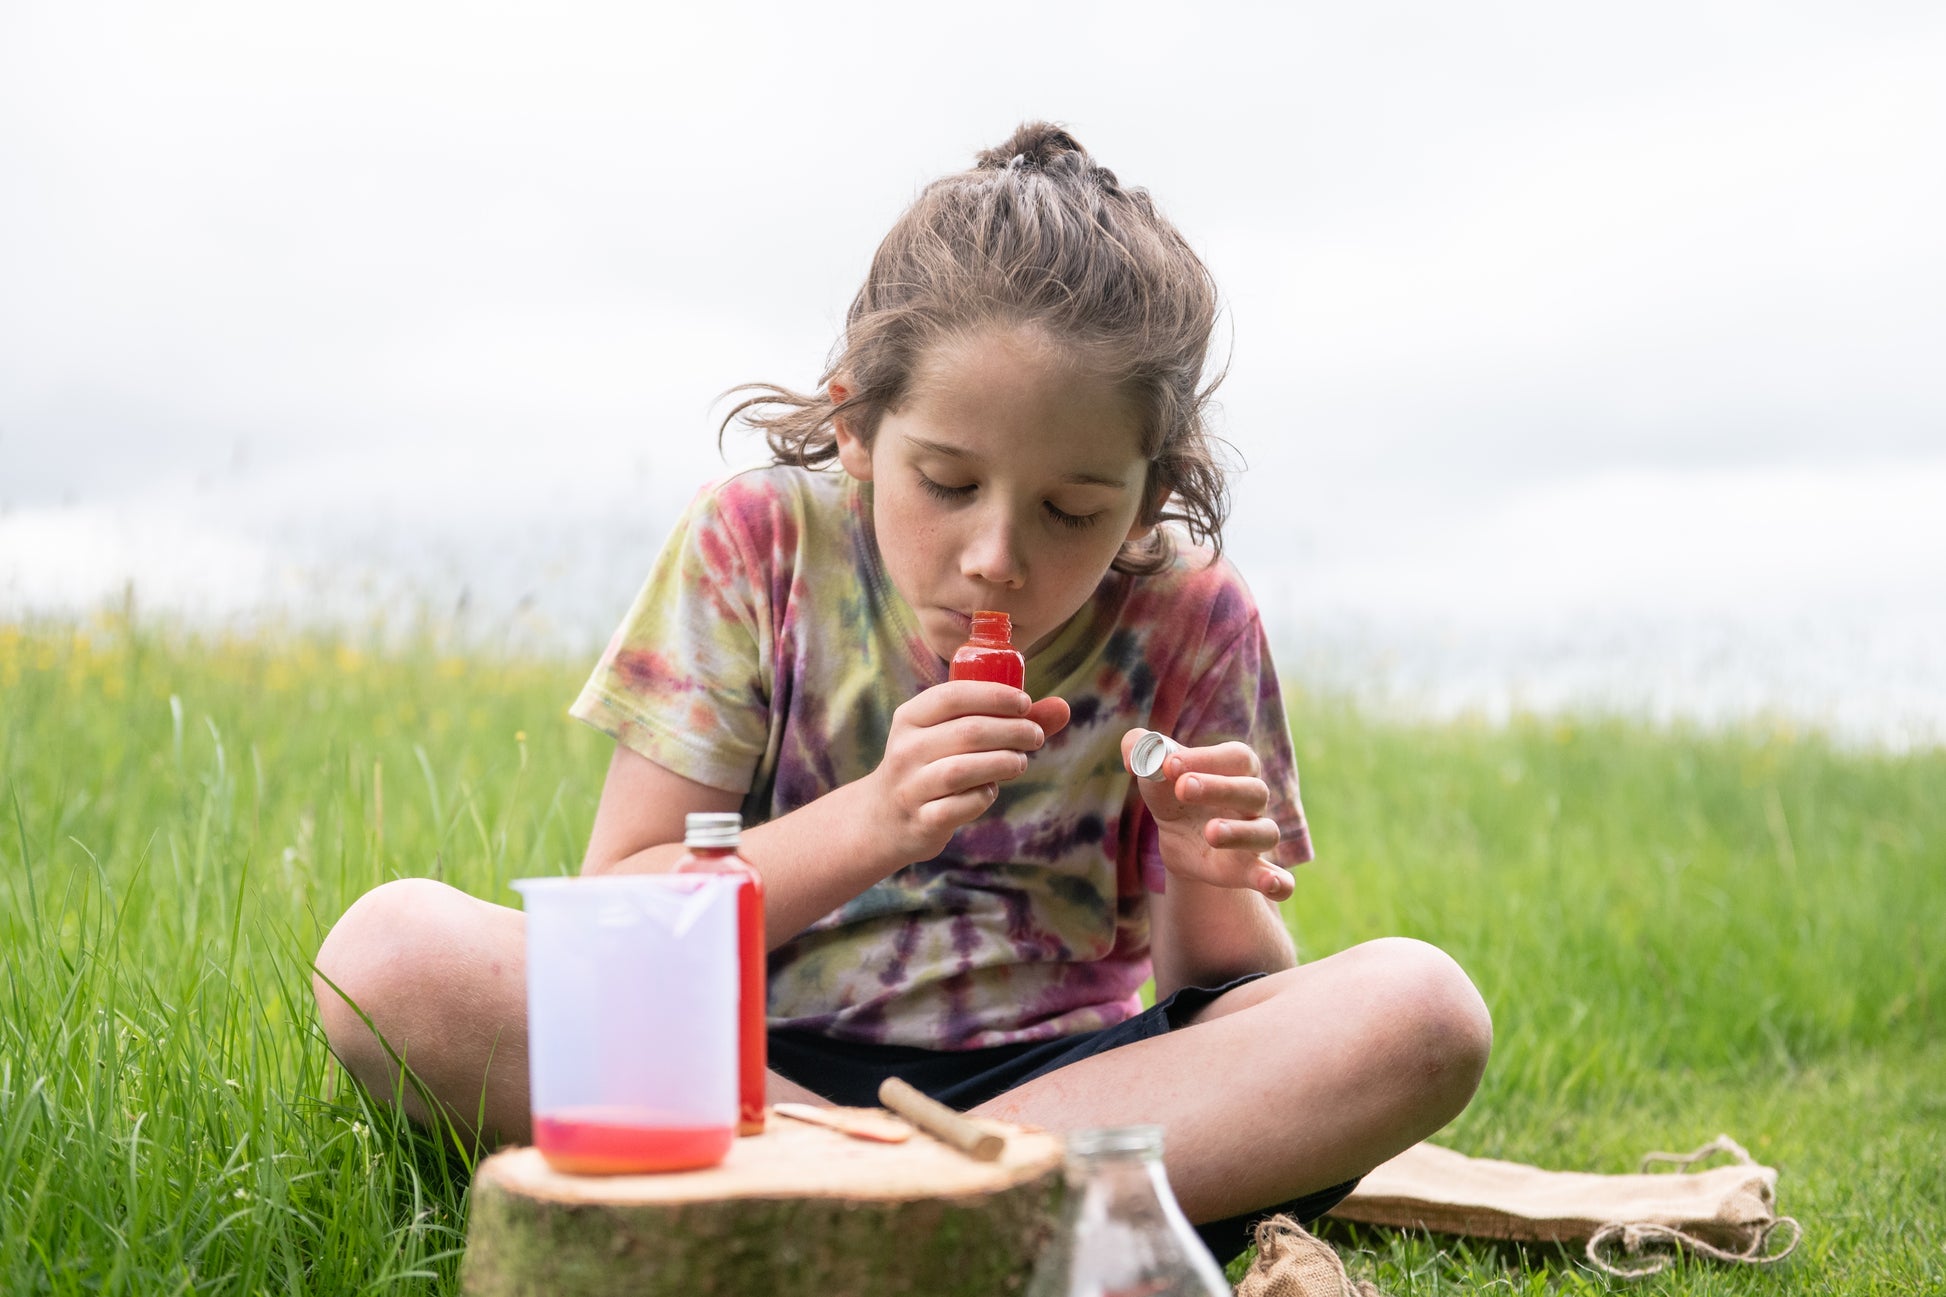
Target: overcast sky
[[1537, 311]]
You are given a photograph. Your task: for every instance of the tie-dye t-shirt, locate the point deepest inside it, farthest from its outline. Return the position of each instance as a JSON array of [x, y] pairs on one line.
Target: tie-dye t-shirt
[[766, 654]]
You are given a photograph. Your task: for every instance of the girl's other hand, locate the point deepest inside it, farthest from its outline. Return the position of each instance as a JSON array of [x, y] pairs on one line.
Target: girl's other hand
[[949, 750], [1209, 811]]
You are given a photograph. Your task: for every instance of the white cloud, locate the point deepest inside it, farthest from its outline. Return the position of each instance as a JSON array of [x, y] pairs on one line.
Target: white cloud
[[285, 287]]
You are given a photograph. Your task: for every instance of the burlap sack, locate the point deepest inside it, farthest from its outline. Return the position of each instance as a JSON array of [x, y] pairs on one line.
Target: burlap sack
[[1728, 1213], [1290, 1262]]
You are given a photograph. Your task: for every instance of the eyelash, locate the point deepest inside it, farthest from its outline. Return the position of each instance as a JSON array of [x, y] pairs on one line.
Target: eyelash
[[939, 491]]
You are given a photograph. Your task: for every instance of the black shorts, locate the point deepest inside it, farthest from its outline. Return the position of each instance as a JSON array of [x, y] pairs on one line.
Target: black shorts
[[848, 1072]]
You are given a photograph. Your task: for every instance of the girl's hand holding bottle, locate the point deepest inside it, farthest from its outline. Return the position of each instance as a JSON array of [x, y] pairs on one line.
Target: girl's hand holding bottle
[[1209, 806], [950, 748]]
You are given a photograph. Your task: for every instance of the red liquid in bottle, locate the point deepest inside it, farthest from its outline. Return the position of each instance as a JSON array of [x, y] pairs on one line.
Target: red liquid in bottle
[[625, 1141], [752, 1040], [989, 653]]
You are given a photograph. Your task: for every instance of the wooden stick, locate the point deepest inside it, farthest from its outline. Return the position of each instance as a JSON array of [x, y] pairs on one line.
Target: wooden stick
[[939, 1121], [859, 1123]]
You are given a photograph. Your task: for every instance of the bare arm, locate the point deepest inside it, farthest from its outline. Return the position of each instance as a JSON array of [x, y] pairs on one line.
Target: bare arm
[[812, 860], [1205, 935], [949, 750]]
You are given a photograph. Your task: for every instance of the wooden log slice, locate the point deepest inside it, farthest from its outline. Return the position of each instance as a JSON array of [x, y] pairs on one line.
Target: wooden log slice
[[799, 1209]]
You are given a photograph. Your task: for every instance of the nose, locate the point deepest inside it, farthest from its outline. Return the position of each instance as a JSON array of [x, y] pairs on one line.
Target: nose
[[993, 551]]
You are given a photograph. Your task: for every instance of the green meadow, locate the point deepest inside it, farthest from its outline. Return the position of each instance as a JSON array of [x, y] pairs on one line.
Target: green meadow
[[1680, 933]]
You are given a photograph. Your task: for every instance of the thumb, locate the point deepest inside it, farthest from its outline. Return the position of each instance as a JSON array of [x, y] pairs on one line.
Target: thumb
[[1051, 714]]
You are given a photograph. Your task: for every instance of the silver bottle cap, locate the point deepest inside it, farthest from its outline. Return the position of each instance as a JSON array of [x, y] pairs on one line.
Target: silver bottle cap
[[712, 829], [1150, 751]]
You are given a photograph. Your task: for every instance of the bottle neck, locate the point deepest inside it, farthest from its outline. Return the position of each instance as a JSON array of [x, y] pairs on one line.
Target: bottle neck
[[1118, 1170], [992, 630], [1116, 1174], [1119, 1167]]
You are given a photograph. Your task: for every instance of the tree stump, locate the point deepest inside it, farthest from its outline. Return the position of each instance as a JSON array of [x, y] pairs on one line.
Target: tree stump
[[799, 1209]]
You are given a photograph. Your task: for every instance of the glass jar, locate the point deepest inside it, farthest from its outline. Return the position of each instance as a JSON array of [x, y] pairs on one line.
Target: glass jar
[[1122, 1232]]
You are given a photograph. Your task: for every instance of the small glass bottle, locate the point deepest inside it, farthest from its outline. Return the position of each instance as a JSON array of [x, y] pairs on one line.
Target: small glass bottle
[[989, 652], [712, 839], [1121, 1231]]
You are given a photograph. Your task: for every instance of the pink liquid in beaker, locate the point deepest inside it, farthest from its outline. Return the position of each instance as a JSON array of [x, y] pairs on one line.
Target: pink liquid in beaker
[[626, 1141]]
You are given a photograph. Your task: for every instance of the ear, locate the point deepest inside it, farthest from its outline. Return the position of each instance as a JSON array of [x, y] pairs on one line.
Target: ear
[[853, 454]]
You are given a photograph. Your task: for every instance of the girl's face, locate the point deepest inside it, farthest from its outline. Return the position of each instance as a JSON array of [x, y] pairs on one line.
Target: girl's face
[[1008, 480]]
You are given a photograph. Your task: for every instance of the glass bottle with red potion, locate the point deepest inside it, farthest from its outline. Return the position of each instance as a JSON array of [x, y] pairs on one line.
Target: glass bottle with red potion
[[712, 839], [989, 652]]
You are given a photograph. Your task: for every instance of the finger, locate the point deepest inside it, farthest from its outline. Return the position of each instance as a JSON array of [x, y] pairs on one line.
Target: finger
[[1051, 714], [1237, 796], [960, 808], [968, 734], [1273, 881], [1254, 836], [1221, 759], [982, 734], [955, 698], [954, 775], [1246, 870]]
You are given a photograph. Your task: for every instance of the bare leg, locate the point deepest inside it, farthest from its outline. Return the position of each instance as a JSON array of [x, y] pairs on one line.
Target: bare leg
[[442, 976], [1291, 1084]]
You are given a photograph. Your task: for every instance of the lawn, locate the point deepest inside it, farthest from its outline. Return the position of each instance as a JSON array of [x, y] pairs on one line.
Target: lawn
[[1680, 933]]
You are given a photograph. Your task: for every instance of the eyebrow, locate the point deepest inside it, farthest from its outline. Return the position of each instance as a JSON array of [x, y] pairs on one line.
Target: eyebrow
[[955, 452]]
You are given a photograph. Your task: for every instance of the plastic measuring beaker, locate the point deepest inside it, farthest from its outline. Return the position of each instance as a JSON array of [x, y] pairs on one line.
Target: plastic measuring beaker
[[631, 1020]]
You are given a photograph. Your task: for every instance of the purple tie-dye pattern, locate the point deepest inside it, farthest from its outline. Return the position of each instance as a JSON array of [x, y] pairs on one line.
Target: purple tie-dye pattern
[[766, 654]]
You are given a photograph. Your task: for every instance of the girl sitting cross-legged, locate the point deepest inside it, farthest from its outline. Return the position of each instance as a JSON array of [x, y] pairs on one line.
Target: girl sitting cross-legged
[[964, 885]]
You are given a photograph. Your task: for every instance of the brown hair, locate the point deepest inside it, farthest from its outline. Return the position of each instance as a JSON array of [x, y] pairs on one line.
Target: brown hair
[[1036, 234]]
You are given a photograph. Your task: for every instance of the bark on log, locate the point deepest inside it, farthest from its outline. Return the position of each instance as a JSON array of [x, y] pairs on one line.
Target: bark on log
[[799, 1209]]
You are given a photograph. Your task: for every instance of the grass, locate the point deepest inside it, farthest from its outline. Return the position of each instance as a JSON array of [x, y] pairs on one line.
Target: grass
[[1680, 933]]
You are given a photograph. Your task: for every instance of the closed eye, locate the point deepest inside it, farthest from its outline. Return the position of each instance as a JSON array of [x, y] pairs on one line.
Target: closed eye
[[1055, 514], [1076, 521], [943, 492]]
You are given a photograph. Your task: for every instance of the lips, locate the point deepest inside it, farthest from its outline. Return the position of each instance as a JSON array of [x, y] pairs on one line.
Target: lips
[[959, 626]]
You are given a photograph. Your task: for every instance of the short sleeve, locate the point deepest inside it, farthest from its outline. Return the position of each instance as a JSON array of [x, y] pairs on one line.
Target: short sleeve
[[1237, 697], [685, 678]]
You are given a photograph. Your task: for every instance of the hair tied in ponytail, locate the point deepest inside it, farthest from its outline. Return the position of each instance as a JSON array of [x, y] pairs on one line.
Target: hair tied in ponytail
[[1035, 146]]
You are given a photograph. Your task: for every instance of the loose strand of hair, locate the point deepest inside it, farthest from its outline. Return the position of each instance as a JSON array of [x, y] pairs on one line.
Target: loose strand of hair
[[798, 433]]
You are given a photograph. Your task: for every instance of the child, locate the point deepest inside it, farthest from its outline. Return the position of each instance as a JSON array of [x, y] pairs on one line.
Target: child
[[964, 885]]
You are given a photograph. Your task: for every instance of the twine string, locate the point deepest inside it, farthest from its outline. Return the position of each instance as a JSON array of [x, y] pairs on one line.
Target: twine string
[[1683, 1161], [1660, 1244], [1638, 1240]]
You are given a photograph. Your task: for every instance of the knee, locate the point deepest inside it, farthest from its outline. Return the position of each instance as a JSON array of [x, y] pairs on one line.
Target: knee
[[1439, 1029], [369, 962]]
